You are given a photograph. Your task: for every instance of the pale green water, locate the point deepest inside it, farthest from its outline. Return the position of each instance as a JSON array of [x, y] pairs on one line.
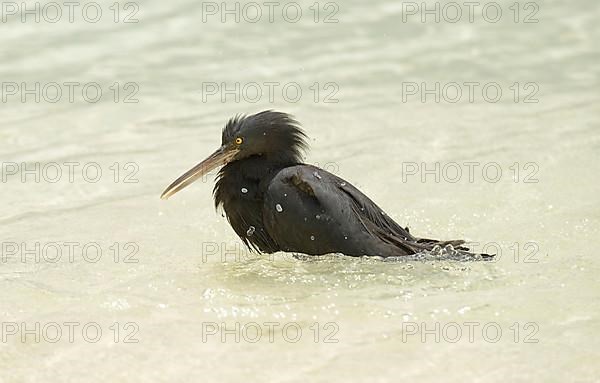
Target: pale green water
[[360, 319]]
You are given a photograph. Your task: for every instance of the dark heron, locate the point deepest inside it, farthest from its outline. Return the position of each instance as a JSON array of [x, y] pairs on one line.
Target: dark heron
[[274, 202]]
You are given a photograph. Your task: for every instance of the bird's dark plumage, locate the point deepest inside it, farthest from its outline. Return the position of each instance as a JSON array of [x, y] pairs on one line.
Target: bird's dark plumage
[[274, 202]]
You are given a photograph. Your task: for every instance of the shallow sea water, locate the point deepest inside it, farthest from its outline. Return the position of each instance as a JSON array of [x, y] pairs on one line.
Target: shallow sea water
[[188, 300]]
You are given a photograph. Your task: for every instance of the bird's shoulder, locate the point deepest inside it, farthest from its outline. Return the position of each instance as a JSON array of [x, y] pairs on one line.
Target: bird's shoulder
[[309, 179]]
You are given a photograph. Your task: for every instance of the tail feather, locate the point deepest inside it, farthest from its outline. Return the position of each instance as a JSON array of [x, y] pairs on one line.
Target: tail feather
[[456, 246]]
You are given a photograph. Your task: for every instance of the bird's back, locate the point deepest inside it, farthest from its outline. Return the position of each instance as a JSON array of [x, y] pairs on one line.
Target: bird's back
[[309, 210]]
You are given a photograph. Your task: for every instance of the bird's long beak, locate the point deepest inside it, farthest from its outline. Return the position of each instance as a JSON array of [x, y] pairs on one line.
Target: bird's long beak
[[222, 156]]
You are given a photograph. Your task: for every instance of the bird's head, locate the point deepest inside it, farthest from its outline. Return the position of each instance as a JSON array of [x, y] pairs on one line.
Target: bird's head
[[273, 135]]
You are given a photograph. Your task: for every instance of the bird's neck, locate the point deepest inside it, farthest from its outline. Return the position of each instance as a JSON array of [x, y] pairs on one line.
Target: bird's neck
[[240, 190], [247, 179]]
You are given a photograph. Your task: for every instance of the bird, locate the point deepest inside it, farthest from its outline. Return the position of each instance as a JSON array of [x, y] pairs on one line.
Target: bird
[[276, 202]]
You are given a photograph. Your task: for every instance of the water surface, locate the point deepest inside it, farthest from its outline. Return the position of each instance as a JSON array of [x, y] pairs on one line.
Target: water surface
[[180, 269]]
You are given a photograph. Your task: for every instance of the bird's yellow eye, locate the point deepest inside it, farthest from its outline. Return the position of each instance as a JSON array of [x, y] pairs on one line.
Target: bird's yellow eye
[[239, 140]]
